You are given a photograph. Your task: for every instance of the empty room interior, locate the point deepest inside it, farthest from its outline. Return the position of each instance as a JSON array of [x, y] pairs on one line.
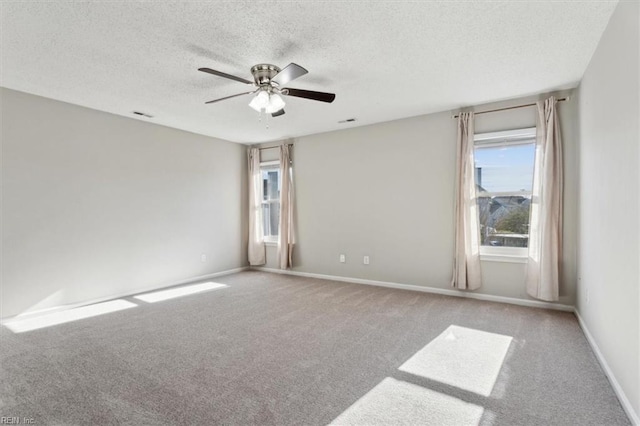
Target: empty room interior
[[310, 213]]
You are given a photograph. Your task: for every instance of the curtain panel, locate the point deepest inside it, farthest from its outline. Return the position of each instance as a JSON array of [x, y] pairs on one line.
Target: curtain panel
[[255, 247], [545, 229], [286, 237], [467, 273]]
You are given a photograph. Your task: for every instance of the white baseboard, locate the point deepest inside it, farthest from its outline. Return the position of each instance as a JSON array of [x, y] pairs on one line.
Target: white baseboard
[[124, 294], [446, 292], [622, 397]]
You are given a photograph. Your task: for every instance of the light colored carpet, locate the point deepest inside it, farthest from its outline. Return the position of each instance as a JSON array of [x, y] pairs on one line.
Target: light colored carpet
[[396, 402], [273, 349], [462, 357]]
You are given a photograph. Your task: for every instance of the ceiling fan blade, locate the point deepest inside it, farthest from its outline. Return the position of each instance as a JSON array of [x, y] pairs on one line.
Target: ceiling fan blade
[[229, 97], [225, 75], [278, 113], [310, 94], [289, 73]]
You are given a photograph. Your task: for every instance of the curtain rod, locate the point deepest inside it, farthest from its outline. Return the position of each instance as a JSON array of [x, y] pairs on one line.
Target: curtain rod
[[273, 147], [512, 107]]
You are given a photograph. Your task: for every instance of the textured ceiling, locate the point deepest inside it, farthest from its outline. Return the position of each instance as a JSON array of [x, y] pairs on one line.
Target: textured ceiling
[[384, 60]]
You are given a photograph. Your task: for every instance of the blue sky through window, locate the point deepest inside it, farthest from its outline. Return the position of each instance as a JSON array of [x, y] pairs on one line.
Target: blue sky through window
[[506, 168]]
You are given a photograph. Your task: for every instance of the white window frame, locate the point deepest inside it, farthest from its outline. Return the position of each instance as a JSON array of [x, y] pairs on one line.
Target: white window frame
[[269, 240], [498, 139]]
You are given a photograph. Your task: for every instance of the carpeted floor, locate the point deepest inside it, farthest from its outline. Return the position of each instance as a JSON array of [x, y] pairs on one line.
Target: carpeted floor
[[276, 349]]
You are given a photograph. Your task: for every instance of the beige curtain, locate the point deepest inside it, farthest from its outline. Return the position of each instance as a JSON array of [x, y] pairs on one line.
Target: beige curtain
[[545, 229], [286, 237], [256, 249], [467, 274]]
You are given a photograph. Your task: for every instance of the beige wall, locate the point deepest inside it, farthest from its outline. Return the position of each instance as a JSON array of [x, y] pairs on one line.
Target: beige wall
[[609, 267], [387, 190], [96, 205]]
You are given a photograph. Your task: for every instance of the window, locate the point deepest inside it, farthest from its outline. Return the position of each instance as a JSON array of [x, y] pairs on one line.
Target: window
[[504, 178], [270, 172]]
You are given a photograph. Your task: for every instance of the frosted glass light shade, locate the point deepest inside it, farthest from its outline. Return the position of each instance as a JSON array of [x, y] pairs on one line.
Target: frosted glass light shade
[[276, 103], [260, 101]]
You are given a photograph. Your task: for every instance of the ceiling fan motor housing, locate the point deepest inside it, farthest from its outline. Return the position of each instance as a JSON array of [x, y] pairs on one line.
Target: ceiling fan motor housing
[[263, 73]]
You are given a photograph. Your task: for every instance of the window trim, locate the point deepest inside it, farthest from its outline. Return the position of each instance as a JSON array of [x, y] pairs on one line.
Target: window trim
[[491, 140], [504, 254], [270, 240], [505, 137]]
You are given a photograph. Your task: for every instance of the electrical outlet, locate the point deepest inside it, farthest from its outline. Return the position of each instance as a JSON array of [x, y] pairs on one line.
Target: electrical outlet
[[203, 257], [343, 258], [366, 260]]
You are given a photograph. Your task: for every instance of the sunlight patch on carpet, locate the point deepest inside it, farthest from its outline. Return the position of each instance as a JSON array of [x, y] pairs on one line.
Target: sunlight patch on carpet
[[394, 402], [48, 320], [462, 357], [159, 296]]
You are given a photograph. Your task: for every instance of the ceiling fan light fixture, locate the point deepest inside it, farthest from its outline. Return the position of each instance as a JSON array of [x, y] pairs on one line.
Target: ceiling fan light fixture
[[276, 103], [260, 101], [268, 82]]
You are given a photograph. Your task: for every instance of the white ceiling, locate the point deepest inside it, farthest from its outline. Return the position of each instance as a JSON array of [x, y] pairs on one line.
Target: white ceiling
[[384, 60]]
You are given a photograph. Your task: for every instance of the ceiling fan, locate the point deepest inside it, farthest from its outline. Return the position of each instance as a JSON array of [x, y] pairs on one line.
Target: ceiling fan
[[268, 81]]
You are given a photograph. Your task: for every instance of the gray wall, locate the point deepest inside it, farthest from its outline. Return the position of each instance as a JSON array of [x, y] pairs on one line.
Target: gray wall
[[96, 205], [387, 191], [609, 267]]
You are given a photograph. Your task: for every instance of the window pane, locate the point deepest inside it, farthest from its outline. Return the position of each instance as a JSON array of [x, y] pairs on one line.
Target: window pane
[[266, 229], [274, 218], [270, 184], [271, 218], [504, 221], [270, 200], [505, 168]]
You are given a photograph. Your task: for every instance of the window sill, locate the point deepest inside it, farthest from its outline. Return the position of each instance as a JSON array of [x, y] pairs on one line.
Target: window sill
[[506, 258], [271, 243]]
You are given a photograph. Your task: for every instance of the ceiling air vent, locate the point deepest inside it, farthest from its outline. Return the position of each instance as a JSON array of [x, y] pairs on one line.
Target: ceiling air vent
[[142, 114]]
